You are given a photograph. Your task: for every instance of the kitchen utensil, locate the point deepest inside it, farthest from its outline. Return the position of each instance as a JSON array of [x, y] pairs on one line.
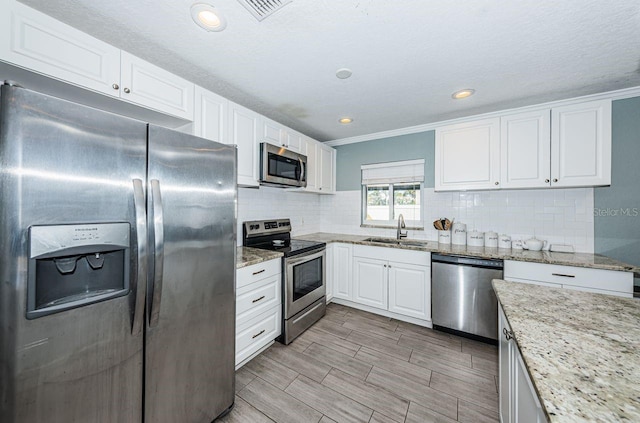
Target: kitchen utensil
[[534, 244], [491, 239], [516, 244]]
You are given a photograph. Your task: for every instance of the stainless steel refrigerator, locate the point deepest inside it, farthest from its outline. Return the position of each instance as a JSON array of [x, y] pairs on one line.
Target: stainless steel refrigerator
[[117, 267]]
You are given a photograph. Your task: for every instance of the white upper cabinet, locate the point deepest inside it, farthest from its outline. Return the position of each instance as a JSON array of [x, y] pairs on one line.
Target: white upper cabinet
[[291, 140], [525, 151], [566, 146], [326, 169], [35, 41], [243, 132], [277, 134], [310, 149], [581, 144], [468, 155], [155, 88], [211, 118]]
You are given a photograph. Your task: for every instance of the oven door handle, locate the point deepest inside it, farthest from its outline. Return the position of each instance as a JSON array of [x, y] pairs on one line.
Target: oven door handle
[[293, 261]]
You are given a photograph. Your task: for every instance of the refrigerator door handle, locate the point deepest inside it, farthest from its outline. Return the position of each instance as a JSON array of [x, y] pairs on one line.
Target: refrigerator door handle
[[141, 239], [158, 262]]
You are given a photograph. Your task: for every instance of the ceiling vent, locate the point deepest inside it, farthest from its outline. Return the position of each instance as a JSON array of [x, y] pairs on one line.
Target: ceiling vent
[[261, 9]]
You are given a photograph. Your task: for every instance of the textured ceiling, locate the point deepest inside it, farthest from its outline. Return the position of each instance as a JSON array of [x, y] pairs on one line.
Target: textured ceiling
[[407, 56]]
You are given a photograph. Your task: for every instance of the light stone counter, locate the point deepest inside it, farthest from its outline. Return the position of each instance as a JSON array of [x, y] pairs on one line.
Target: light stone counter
[[594, 261], [582, 350], [246, 256]]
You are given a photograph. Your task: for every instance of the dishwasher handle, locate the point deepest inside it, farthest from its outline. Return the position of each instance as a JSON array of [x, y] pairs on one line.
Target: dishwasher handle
[[467, 261]]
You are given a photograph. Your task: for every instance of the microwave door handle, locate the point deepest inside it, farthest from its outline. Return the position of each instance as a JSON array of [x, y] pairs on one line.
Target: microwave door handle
[[302, 170], [158, 240], [141, 240]]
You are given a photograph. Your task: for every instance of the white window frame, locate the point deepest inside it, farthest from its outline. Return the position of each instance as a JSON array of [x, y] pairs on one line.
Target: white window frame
[[393, 174]]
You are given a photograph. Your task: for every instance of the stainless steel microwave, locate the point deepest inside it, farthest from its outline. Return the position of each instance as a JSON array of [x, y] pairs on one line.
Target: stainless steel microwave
[[281, 167]]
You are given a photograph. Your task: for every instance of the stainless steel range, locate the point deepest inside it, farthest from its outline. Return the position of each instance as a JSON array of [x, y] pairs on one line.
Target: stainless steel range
[[303, 273]]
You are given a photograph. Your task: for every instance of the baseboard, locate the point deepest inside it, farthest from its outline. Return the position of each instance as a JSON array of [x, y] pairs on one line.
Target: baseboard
[[419, 322]]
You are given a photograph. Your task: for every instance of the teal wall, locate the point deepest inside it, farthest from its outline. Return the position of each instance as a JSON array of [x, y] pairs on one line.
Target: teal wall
[[617, 208], [350, 157]]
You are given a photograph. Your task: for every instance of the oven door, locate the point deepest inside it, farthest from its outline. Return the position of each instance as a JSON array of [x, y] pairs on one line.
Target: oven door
[[304, 281]]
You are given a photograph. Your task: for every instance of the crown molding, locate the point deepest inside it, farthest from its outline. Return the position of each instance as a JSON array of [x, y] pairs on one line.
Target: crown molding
[[613, 95]]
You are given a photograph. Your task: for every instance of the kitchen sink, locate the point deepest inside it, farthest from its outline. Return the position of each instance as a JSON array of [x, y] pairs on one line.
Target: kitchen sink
[[388, 241]]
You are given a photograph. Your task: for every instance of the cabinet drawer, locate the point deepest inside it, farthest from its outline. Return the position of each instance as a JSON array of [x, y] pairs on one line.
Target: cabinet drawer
[[250, 274], [257, 332], [393, 254], [568, 276], [257, 297]]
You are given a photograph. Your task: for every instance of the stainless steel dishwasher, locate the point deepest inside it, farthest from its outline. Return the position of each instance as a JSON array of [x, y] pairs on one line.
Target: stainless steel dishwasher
[[462, 298]]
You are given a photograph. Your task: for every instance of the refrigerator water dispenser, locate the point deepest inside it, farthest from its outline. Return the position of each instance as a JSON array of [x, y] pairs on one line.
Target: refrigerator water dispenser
[[75, 265]]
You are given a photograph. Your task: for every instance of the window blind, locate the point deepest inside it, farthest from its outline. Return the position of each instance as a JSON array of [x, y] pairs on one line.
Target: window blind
[[393, 172]]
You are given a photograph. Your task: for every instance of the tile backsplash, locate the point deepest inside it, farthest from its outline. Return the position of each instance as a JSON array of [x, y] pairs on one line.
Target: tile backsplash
[[563, 216]]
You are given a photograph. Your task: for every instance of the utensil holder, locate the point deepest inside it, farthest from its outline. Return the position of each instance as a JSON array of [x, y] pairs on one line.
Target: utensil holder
[[444, 237]]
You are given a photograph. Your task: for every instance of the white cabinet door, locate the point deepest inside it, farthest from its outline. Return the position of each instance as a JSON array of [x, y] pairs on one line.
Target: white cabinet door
[[525, 150], [342, 272], [581, 144], [468, 156], [150, 86], [35, 41], [370, 282], [410, 290], [270, 132], [211, 116], [243, 131], [291, 140], [326, 176], [329, 272], [505, 372], [310, 150], [527, 405]]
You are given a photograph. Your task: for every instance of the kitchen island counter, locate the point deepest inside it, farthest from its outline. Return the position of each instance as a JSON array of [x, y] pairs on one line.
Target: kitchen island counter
[[581, 350]]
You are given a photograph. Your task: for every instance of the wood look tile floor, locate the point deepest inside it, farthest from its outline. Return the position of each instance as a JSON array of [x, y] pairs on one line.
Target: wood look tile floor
[[354, 366]]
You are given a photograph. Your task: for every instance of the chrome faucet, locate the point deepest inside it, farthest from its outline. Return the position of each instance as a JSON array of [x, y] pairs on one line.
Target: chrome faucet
[[400, 234]]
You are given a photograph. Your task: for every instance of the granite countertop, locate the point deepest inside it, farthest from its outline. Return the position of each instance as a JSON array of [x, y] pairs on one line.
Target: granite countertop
[[246, 256], [582, 350], [594, 261]]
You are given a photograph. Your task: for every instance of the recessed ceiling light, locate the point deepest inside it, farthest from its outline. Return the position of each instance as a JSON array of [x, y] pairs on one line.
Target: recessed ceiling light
[[208, 17], [467, 92], [345, 120], [343, 73]]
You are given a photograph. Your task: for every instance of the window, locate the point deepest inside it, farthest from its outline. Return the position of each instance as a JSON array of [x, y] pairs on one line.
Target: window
[[391, 189]]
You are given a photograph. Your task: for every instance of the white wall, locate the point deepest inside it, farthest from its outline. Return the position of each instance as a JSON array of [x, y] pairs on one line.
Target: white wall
[[277, 203], [563, 216]]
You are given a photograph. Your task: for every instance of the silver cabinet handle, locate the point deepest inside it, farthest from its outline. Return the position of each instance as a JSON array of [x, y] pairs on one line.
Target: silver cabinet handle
[[115, 86], [258, 272], [258, 299], [497, 183], [257, 334], [546, 181], [141, 271], [158, 244], [563, 275], [507, 334], [127, 90], [555, 179]]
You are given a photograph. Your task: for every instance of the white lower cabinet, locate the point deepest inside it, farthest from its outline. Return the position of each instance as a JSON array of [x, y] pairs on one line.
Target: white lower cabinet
[[519, 402], [395, 280], [258, 308], [341, 274], [370, 282], [410, 290], [611, 282]]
